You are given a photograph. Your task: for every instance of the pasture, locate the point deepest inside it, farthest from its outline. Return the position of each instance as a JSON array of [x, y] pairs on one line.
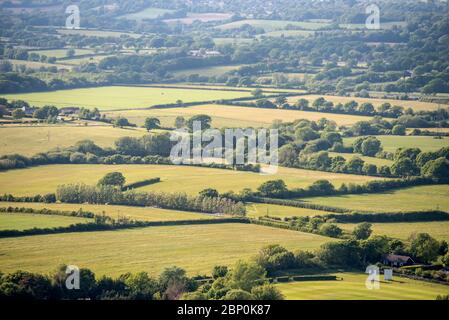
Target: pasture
[[38, 65], [352, 287], [288, 33], [148, 13], [415, 105], [392, 143], [30, 140], [134, 213], [24, 221], [273, 25], [207, 71], [203, 17], [233, 117], [255, 210], [402, 230], [197, 248], [409, 199], [61, 53], [45, 179], [97, 33], [122, 97]]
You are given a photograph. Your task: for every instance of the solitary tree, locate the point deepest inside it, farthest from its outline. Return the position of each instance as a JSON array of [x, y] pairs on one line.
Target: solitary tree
[[112, 179], [362, 231], [152, 123]]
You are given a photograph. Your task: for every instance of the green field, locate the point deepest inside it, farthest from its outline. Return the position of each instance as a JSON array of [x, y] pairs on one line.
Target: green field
[[121, 97], [195, 248], [273, 25], [383, 25], [61, 53], [371, 160], [135, 213], [191, 17], [415, 105], [97, 33], [233, 117], [352, 287], [437, 229], [45, 179], [288, 33], [80, 61], [207, 71], [19, 221], [255, 210], [392, 143], [30, 140], [224, 41], [148, 13], [38, 65], [410, 199]]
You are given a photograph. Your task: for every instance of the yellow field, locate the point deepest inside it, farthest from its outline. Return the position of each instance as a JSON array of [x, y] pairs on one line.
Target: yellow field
[[402, 230], [135, 213], [30, 140], [392, 143], [45, 179], [25, 221], [232, 117], [195, 248], [415, 105]]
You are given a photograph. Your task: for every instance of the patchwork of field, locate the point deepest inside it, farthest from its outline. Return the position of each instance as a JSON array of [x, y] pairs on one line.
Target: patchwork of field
[[371, 160], [233, 117], [45, 179], [121, 97], [255, 210], [30, 140], [207, 71], [273, 25], [410, 199], [415, 105], [134, 213], [19, 221], [197, 248], [203, 17], [148, 13], [392, 143], [352, 287], [402, 230]]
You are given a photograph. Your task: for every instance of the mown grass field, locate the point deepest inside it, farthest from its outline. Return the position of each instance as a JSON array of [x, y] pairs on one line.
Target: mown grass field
[[437, 229], [148, 13], [135, 213], [255, 210], [372, 160], [352, 287], [207, 71], [29, 140], [410, 199], [45, 179], [19, 221], [122, 97], [195, 248], [415, 105], [272, 25], [392, 143], [233, 117]]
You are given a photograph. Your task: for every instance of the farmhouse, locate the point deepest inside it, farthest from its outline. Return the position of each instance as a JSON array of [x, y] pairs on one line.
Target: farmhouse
[[29, 111], [68, 110], [395, 260]]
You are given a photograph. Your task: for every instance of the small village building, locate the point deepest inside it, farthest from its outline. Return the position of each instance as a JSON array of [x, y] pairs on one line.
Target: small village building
[[395, 260]]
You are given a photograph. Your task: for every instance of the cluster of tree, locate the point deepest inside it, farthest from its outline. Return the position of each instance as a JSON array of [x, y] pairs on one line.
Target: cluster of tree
[[107, 194]]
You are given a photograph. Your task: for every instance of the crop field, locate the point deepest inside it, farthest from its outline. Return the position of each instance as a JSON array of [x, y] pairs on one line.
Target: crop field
[[62, 53], [273, 25], [45, 179], [352, 287], [30, 140], [231, 116], [255, 210], [203, 17], [148, 13], [121, 97], [392, 143], [134, 213], [195, 248], [371, 160], [410, 199], [415, 105], [18, 221], [208, 71], [437, 229]]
